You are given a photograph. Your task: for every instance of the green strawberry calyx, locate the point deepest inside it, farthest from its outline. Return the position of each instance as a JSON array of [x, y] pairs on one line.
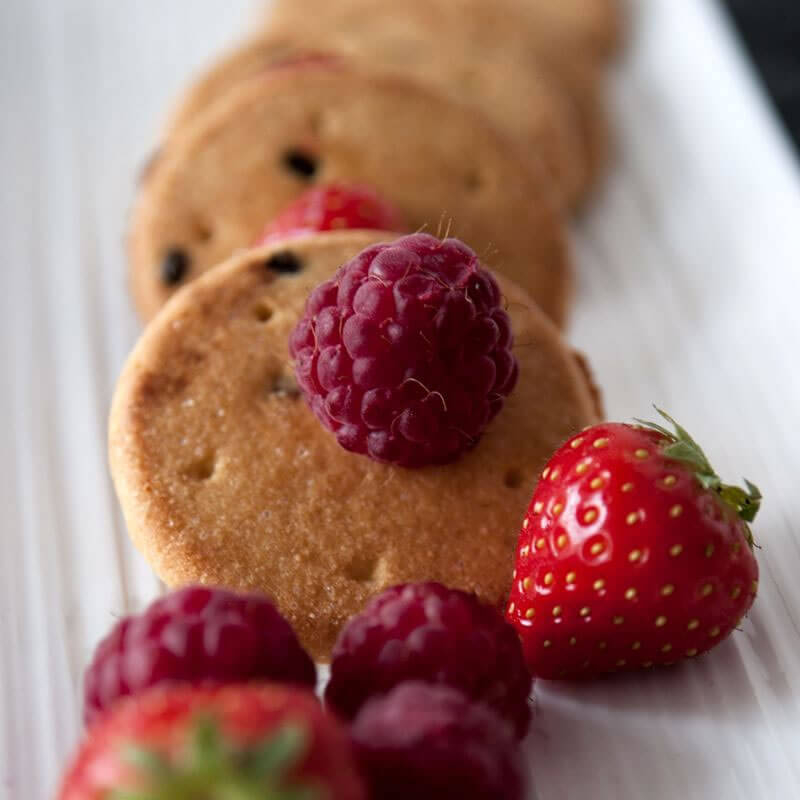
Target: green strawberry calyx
[[683, 448], [212, 768]]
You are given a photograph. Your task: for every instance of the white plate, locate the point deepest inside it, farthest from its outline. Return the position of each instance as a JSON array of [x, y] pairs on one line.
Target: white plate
[[688, 297]]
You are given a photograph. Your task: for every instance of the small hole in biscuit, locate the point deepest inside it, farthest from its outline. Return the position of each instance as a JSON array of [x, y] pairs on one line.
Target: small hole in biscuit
[[263, 311], [315, 122], [202, 231], [362, 568], [469, 78], [284, 263], [473, 181], [203, 468], [284, 385], [513, 478], [302, 164]]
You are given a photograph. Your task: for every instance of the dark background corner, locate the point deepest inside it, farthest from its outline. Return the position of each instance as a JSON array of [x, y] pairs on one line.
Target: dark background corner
[[770, 30]]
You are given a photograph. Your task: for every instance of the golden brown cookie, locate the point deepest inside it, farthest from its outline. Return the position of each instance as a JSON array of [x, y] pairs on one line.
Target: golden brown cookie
[[520, 99], [585, 87], [439, 163], [587, 30], [226, 477], [491, 52]]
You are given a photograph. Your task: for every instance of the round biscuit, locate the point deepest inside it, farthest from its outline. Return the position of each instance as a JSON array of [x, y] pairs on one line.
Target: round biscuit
[[225, 476], [501, 54], [587, 30], [443, 166], [521, 100]]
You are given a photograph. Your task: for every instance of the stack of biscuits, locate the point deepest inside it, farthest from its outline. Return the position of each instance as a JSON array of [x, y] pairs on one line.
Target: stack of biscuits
[[475, 119]]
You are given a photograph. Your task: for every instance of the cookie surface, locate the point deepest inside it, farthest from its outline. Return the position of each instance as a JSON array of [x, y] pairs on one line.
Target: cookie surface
[[586, 30], [593, 29], [493, 53], [585, 88], [438, 162], [226, 477], [545, 124]]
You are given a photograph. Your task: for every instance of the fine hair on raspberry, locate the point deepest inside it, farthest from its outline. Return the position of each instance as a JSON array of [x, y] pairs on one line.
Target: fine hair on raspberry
[[406, 353]]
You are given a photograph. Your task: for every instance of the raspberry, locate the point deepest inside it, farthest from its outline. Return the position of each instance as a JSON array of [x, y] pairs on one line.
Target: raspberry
[[430, 633], [406, 354], [334, 207], [430, 742], [195, 635]]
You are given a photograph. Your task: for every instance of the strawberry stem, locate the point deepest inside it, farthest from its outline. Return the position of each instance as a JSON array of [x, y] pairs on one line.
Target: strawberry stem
[[682, 447], [212, 768]]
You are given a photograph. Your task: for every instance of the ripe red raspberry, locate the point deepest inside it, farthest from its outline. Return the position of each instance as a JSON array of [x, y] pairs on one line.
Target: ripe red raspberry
[[430, 742], [406, 354], [334, 207], [195, 635], [430, 633]]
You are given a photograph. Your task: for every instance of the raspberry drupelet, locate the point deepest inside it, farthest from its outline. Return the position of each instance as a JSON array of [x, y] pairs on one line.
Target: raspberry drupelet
[[406, 353]]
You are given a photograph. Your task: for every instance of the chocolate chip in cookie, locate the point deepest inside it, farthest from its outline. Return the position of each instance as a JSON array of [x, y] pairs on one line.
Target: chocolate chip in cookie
[[174, 266]]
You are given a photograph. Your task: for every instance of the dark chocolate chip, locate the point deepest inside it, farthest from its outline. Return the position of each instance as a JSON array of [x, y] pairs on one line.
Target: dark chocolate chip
[[285, 262], [174, 266], [302, 164]]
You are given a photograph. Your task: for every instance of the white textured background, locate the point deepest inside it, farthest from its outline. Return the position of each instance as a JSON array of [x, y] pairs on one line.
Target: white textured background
[[689, 270]]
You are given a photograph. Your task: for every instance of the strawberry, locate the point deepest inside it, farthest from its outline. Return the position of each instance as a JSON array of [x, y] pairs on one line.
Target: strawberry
[[249, 742], [330, 208], [632, 553]]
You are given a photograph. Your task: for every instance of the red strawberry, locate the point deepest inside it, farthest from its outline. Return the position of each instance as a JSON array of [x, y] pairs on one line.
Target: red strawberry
[[248, 742], [632, 553], [330, 208]]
